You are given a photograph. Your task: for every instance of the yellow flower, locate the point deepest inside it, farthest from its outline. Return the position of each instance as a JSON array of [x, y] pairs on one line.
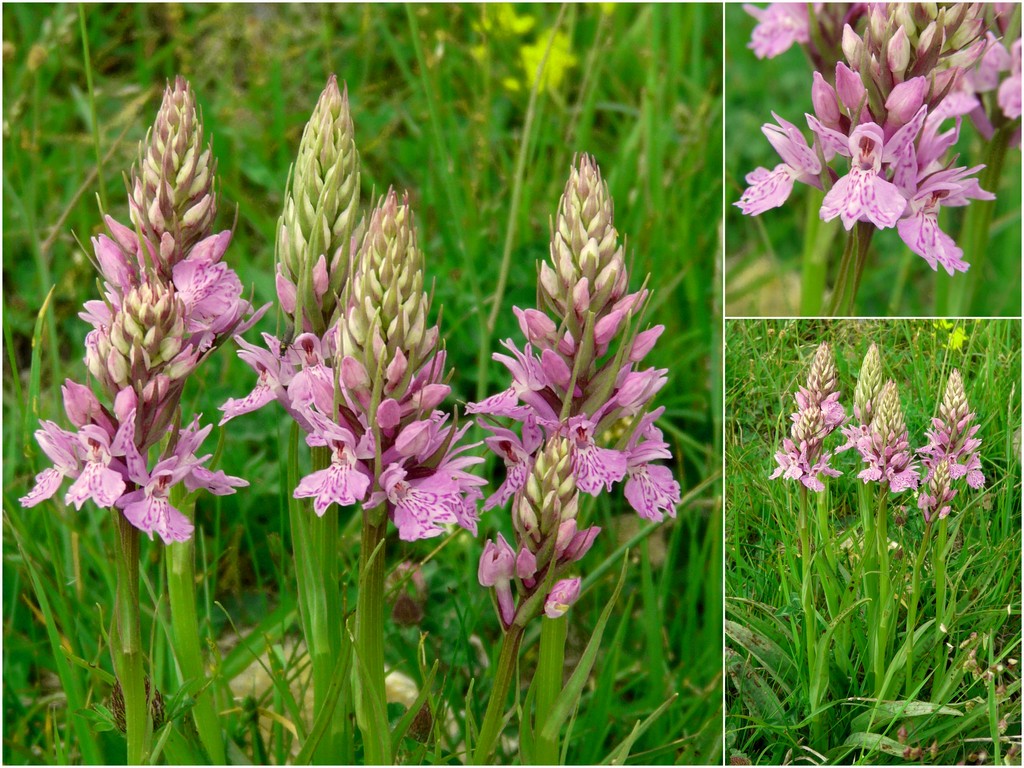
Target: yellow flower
[[560, 60], [503, 19], [957, 337]]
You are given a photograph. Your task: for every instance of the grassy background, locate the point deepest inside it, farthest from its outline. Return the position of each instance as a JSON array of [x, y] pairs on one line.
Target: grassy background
[[439, 97], [763, 253], [766, 361]]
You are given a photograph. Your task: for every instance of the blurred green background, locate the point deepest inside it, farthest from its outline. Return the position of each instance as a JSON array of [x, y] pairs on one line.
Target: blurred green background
[[440, 96], [763, 253]]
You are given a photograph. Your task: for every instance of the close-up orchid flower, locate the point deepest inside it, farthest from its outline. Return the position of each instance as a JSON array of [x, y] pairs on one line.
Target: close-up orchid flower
[[885, 145]]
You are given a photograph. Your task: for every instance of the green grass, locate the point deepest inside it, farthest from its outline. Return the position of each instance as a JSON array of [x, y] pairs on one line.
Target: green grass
[[764, 253], [968, 712], [435, 113]]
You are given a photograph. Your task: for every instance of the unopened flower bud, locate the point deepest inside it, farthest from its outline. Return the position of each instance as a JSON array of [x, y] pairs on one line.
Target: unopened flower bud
[[585, 244], [905, 100], [172, 189], [822, 380], [321, 207], [387, 306], [869, 384], [898, 53], [826, 105], [889, 414], [850, 88], [853, 46], [954, 407], [497, 569]]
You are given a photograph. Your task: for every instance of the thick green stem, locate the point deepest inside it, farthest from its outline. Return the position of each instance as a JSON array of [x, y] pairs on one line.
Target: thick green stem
[[869, 569], [807, 603], [915, 596], [855, 256], [884, 608], [326, 621], [181, 590], [818, 237], [939, 564], [370, 639], [843, 275], [495, 716], [549, 685], [126, 641], [865, 231], [315, 552]]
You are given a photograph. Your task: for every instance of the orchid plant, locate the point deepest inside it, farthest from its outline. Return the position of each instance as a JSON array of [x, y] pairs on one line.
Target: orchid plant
[[879, 433], [360, 367]]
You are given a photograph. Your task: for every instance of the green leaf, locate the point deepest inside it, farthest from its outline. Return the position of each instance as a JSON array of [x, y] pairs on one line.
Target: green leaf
[[775, 661], [324, 717], [759, 697], [35, 374], [875, 742], [819, 678], [900, 709], [619, 755], [569, 696]]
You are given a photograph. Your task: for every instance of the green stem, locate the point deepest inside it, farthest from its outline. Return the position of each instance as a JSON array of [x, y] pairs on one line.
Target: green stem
[[865, 231], [314, 550], [807, 603], [915, 596], [326, 621], [818, 237], [370, 638], [839, 289], [126, 640], [494, 718], [181, 590], [939, 563], [549, 685], [884, 608]]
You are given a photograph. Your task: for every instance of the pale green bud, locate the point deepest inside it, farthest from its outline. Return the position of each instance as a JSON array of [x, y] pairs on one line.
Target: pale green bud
[[869, 384], [548, 500], [172, 188], [321, 207], [889, 414], [387, 305], [584, 245]]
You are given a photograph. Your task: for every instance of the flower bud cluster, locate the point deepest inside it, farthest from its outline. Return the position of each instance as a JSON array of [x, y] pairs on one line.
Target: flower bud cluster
[[172, 199], [819, 413], [549, 541], [934, 500], [574, 382], [168, 302], [886, 446], [315, 231], [952, 436], [880, 104], [367, 387]]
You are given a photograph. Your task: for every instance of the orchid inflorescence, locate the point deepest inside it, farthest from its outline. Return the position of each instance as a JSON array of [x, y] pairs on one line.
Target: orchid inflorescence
[[368, 386], [169, 301], [879, 433], [882, 99], [575, 379]]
